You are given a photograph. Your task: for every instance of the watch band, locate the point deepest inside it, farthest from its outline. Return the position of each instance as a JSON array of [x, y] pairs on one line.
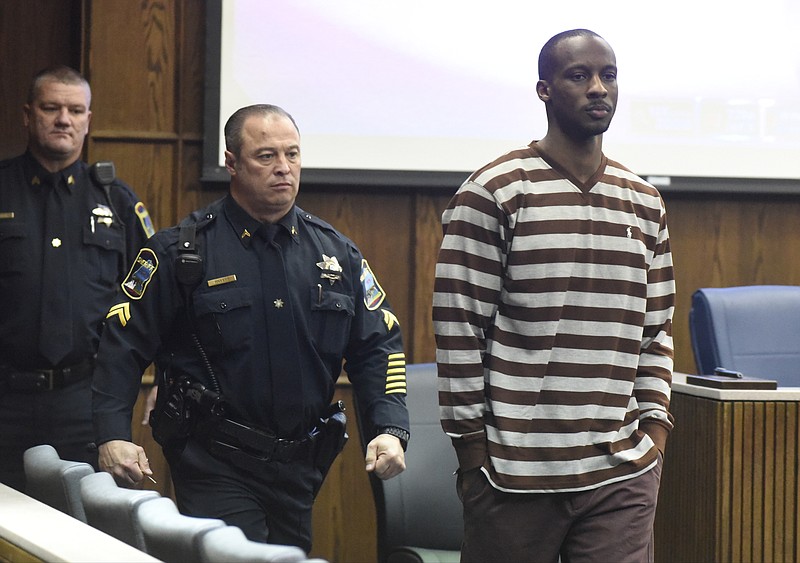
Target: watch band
[[398, 433]]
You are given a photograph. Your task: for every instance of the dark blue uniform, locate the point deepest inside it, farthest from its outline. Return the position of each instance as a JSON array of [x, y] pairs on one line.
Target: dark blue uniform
[[334, 308], [42, 401]]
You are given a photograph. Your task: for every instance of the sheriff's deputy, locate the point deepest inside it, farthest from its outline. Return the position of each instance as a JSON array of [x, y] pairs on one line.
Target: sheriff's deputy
[[67, 231], [249, 307]]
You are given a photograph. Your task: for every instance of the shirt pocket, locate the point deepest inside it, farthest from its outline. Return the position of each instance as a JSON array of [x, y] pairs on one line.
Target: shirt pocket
[[331, 316], [223, 319], [104, 248], [13, 255]]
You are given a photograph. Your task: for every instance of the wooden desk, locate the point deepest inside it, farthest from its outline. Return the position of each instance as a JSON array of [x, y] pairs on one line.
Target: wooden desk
[[730, 490]]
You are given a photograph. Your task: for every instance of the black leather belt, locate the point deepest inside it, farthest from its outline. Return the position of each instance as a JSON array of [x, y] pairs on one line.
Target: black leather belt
[[250, 447], [41, 380]]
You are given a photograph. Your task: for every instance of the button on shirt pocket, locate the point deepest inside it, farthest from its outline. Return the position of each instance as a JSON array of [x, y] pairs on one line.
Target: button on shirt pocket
[[223, 319], [331, 314]]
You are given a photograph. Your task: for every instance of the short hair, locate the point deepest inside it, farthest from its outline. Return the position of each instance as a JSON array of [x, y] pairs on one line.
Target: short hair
[[58, 73], [547, 56], [235, 123]]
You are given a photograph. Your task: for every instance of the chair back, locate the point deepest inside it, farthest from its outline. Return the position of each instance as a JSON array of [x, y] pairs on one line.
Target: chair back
[[170, 535], [114, 509], [751, 329], [419, 514], [55, 481]]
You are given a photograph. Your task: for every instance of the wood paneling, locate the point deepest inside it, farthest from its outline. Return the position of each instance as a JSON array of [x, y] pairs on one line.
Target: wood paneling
[[720, 241], [147, 82], [34, 34], [729, 489]]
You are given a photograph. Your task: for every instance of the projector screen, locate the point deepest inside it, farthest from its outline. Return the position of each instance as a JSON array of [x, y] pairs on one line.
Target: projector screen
[[430, 90]]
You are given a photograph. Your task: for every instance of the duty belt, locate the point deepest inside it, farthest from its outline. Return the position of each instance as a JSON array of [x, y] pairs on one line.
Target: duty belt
[[251, 448], [41, 380]]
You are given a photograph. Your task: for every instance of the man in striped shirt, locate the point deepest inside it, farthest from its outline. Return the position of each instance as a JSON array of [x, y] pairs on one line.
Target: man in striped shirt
[[552, 311]]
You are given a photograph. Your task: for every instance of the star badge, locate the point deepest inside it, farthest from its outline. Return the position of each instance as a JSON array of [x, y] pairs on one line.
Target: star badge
[[331, 270], [56, 242], [278, 303]]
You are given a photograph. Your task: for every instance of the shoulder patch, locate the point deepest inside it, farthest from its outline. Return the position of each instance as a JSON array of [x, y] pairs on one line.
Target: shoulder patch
[[373, 292], [144, 219], [141, 273]]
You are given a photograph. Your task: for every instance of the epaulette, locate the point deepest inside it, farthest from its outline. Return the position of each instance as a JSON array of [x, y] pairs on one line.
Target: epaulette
[[321, 223], [308, 217]]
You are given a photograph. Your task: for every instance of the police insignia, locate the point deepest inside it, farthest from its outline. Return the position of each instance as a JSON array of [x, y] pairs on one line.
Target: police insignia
[[331, 269], [141, 273], [144, 219], [389, 319], [373, 292]]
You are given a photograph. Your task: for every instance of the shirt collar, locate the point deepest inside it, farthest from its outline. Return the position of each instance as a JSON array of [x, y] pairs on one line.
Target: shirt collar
[[37, 175], [246, 226]]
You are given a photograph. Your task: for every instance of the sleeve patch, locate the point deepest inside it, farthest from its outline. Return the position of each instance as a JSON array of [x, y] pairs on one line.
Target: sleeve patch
[[389, 319], [121, 311], [373, 292], [144, 219], [141, 273]]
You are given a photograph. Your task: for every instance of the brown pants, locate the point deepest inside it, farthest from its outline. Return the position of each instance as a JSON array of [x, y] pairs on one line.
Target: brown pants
[[611, 523]]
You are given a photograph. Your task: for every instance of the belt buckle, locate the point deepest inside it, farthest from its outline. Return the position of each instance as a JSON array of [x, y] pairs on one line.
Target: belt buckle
[[49, 379]]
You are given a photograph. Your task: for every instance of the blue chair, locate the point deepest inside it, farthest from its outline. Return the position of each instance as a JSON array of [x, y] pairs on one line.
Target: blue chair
[[754, 330], [420, 516]]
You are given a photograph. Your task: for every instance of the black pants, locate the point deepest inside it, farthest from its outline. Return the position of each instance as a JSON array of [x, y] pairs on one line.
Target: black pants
[[61, 418], [272, 506]]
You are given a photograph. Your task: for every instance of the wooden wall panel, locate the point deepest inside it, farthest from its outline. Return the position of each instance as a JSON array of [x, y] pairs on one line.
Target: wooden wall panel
[[720, 241], [427, 240], [132, 66], [33, 34]]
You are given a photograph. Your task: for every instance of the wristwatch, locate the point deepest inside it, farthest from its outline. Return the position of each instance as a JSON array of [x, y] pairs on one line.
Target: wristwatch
[[398, 433]]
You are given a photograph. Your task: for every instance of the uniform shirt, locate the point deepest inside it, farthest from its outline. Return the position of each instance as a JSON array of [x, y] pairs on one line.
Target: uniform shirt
[[103, 233], [553, 307], [340, 312]]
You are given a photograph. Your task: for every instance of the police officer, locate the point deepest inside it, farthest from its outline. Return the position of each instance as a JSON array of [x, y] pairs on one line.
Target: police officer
[[66, 233], [249, 308]]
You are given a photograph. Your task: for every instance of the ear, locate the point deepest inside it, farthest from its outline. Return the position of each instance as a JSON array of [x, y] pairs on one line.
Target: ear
[[543, 90], [230, 163], [26, 115]]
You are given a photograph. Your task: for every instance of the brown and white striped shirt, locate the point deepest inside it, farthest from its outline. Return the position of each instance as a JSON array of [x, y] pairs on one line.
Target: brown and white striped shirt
[[552, 311]]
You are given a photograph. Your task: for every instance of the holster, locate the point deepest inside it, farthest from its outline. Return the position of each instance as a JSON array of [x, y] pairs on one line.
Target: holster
[[331, 438], [172, 419]]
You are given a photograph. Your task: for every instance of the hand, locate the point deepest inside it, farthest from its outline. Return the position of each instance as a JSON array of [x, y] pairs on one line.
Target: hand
[[126, 461], [149, 404], [385, 456]]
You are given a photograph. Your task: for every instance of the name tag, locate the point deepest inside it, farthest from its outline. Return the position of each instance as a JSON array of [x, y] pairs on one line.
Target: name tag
[[223, 280]]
